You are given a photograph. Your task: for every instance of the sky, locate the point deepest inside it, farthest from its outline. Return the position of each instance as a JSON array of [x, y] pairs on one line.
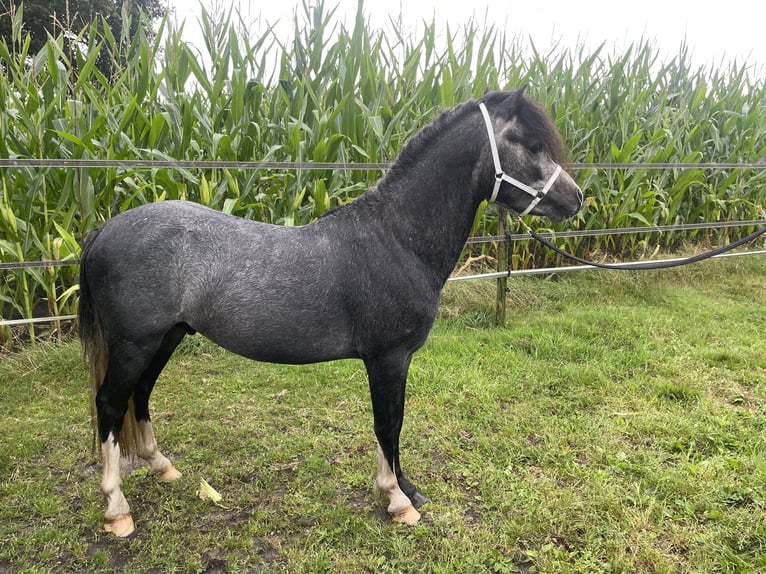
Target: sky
[[715, 33]]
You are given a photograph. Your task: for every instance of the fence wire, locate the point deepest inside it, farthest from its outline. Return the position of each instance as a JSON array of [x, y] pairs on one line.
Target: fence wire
[[490, 238], [310, 165], [154, 164], [617, 231]]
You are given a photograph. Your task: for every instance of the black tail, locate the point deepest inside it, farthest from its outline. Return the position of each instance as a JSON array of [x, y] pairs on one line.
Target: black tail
[[96, 354], [88, 323]]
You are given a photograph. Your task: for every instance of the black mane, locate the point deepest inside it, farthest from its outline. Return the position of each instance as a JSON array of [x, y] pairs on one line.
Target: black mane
[[409, 155], [415, 146], [531, 114], [534, 117]]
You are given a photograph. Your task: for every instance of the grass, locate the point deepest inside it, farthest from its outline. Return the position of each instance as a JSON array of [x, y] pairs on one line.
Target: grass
[[615, 425]]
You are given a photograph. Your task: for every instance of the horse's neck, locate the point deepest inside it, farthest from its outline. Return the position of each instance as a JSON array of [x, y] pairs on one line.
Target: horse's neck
[[431, 209]]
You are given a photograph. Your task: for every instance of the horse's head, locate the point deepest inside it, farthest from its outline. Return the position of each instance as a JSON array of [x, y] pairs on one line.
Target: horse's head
[[524, 152]]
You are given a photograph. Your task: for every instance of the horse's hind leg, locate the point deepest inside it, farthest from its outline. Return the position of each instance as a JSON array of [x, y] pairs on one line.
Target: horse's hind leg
[[126, 363], [159, 464], [387, 377], [117, 518], [146, 444]]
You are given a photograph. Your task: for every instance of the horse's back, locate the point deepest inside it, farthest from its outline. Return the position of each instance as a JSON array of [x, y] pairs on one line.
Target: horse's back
[[268, 292], [257, 289]]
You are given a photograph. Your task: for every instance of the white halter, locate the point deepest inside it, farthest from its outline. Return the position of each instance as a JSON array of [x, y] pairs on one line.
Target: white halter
[[500, 176]]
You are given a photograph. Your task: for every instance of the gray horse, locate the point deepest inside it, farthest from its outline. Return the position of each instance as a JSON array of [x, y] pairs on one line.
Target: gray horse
[[361, 282]]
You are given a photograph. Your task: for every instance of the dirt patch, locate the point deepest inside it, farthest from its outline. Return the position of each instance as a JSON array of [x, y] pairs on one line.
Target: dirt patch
[[119, 555]]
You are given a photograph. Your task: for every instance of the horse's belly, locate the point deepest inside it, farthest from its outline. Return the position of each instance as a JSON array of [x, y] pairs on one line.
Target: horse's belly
[[292, 343], [302, 356]]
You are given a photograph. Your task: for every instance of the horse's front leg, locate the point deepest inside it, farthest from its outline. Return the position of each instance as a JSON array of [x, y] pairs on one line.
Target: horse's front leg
[[387, 378]]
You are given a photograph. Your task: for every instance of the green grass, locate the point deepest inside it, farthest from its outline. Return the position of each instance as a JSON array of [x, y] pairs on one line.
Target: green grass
[[615, 425]]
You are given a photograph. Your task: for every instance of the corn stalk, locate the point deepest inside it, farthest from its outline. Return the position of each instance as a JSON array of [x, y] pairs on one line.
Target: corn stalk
[[332, 91]]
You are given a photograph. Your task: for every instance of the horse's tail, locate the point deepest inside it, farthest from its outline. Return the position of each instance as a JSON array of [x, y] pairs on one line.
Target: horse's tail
[[96, 354]]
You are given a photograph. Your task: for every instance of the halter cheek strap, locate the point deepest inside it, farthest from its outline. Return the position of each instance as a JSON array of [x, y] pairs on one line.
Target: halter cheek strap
[[501, 176]]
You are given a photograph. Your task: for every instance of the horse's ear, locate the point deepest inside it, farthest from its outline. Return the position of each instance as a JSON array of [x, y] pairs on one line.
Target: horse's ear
[[512, 102]]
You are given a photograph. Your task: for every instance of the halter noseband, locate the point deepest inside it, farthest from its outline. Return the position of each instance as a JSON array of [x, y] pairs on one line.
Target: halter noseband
[[501, 176]]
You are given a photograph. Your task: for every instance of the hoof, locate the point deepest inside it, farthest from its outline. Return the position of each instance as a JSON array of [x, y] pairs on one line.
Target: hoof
[[407, 515], [169, 474], [120, 526]]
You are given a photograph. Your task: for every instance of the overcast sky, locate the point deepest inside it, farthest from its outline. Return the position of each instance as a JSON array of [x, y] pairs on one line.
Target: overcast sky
[[714, 32]]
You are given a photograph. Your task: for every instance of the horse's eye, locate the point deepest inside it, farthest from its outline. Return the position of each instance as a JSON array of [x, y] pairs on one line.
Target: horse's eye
[[536, 148]]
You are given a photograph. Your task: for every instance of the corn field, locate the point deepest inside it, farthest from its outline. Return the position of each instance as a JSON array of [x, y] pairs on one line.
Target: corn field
[[333, 91]]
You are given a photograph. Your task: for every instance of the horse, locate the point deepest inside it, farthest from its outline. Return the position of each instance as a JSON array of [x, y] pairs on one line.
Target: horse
[[363, 281]]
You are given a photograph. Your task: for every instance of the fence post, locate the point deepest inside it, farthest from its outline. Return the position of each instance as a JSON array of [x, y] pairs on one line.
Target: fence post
[[503, 251]]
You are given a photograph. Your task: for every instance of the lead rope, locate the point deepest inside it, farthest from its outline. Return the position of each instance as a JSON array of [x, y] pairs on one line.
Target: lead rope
[[650, 264]]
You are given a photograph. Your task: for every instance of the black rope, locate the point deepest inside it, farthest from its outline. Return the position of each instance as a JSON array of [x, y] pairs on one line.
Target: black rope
[[649, 264]]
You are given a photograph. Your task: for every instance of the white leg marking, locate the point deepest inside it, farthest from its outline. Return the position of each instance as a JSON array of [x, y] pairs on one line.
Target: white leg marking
[[147, 450], [117, 518], [400, 508]]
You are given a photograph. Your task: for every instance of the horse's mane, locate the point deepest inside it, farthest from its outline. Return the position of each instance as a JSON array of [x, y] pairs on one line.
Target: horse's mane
[[414, 147], [532, 115], [409, 154]]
